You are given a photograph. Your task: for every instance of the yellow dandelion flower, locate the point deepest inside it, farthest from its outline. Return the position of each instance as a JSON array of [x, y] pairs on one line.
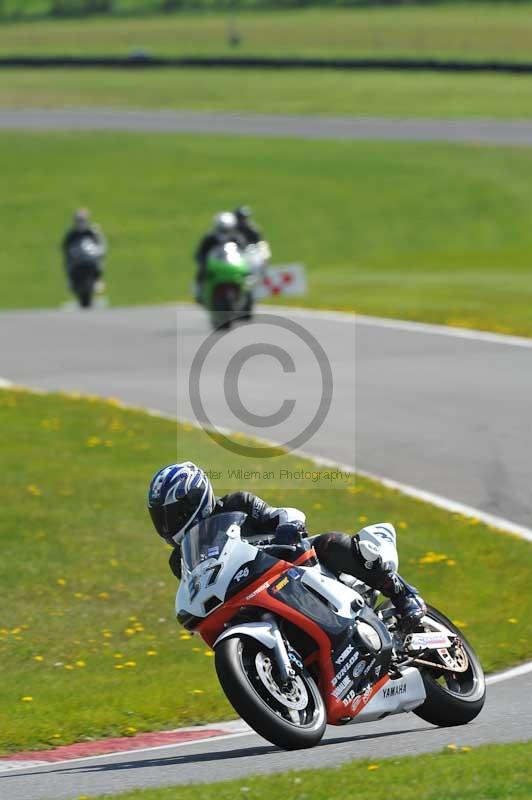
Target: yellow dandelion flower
[[403, 525], [466, 749], [196, 649], [27, 698], [119, 666], [61, 582], [131, 729], [197, 691], [209, 653], [80, 663], [130, 664], [103, 595], [372, 767], [16, 630], [151, 652], [69, 666], [55, 736], [33, 490], [78, 595], [118, 655], [452, 747], [132, 619], [362, 518], [38, 658], [185, 637], [130, 631], [513, 620]]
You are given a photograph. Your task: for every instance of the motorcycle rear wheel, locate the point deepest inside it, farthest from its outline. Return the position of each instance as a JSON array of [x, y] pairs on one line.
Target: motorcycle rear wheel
[[280, 714], [453, 698]]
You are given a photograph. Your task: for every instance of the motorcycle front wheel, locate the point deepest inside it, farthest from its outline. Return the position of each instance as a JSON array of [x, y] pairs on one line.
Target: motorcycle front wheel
[[455, 686], [291, 716]]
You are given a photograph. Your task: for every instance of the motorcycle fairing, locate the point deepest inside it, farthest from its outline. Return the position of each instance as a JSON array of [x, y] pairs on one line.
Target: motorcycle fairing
[[294, 592], [356, 665]]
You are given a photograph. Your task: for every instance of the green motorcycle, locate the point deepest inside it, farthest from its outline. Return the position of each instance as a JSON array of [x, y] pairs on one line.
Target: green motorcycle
[[227, 291]]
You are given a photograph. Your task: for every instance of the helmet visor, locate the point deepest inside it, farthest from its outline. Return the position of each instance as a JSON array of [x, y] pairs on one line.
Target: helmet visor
[[169, 520]]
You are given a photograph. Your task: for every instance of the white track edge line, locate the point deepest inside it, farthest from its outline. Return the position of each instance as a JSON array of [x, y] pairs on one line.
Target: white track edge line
[[508, 674], [407, 325], [51, 764], [498, 523]]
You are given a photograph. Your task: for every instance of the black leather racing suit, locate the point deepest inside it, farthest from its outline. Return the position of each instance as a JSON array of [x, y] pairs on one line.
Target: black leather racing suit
[[249, 231], [74, 235], [210, 241]]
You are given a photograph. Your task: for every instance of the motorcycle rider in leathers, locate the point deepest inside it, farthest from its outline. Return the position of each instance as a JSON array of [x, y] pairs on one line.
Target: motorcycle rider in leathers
[[224, 230], [180, 496], [82, 228]]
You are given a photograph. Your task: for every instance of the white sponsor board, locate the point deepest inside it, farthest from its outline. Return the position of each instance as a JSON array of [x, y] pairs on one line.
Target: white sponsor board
[[289, 280]]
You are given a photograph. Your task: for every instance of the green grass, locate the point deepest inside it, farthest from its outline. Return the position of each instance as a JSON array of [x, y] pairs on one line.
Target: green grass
[[497, 772], [375, 93], [473, 30], [433, 232], [89, 589]]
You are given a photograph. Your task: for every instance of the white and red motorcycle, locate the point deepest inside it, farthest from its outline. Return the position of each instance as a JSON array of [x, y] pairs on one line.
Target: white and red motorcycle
[[296, 648]]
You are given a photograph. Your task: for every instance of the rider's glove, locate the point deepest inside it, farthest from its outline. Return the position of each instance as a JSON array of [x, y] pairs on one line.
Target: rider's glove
[[290, 533]]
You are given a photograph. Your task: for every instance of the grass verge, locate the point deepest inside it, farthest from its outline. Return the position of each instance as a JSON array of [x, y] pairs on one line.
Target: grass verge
[[468, 30], [88, 642], [366, 94], [495, 772], [432, 232]]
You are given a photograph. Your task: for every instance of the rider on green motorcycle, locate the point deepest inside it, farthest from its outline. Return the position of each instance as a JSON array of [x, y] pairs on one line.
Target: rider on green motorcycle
[[224, 230]]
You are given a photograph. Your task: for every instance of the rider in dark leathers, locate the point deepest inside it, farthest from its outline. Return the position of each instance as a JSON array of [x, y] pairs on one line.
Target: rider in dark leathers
[[82, 228], [246, 227], [360, 556], [224, 230]]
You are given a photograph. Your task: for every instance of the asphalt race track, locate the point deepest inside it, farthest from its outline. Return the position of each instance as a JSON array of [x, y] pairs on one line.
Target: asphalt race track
[[517, 133], [506, 717], [443, 413]]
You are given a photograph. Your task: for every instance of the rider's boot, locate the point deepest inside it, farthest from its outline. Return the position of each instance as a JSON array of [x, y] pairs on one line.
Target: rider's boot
[[408, 603]]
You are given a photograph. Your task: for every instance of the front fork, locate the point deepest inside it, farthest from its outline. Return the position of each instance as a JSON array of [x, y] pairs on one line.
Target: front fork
[[282, 659]]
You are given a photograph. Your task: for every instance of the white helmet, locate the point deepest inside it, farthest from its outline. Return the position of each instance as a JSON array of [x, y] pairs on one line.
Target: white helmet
[[225, 222]]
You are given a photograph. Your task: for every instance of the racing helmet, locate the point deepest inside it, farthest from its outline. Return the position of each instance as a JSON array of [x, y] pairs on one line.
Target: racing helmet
[[180, 495], [81, 218], [224, 223], [243, 213]]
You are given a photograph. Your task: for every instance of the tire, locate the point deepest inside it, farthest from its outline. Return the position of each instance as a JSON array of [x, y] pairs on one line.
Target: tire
[[452, 698], [236, 660], [223, 310], [247, 312], [85, 298]]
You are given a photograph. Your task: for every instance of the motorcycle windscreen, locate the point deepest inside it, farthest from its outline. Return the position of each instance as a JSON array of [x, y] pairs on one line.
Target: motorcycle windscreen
[[208, 538]]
